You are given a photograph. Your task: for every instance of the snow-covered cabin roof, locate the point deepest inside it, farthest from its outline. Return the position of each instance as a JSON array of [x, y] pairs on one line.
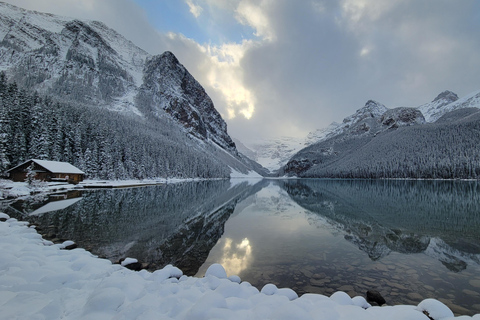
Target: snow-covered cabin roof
[[54, 166]]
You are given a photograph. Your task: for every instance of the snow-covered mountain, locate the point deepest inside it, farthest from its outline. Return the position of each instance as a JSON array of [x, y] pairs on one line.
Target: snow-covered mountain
[[377, 142], [321, 134], [87, 64], [373, 118], [273, 153], [448, 101]]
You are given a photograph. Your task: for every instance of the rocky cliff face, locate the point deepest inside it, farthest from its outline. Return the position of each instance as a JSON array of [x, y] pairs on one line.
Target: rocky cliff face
[[168, 88]]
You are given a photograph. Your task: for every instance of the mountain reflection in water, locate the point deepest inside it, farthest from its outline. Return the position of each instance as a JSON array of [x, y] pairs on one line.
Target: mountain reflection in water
[[380, 216], [168, 224]]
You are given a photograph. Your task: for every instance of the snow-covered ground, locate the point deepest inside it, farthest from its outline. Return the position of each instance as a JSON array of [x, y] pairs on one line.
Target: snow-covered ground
[[10, 189], [41, 280]]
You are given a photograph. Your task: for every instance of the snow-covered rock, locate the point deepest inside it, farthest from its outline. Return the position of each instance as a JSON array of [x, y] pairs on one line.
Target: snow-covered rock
[[435, 309]]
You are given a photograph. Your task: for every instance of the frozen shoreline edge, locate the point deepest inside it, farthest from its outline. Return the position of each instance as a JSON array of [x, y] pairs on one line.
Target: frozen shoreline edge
[[28, 261]]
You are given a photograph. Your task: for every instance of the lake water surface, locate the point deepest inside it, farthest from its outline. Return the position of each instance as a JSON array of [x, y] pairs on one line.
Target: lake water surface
[[410, 240]]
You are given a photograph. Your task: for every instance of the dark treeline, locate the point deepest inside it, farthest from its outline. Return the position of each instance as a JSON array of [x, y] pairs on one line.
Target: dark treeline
[[104, 144]]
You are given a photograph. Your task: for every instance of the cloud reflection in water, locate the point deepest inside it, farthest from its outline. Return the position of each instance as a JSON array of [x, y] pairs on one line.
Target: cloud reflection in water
[[236, 258]]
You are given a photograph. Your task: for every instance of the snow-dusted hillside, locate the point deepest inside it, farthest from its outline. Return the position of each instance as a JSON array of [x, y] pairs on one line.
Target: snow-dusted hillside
[[377, 142], [435, 109], [85, 63], [448, 101]]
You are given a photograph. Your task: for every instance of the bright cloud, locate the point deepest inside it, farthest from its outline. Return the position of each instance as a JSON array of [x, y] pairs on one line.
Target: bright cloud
[[252, 13], [196, 10], [225, 75]]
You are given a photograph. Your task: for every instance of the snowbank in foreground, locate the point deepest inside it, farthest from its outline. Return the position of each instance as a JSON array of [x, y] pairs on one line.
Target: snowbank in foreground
[[40, 280]]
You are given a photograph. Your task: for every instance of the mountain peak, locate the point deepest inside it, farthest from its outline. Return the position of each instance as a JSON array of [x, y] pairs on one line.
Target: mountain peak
[[446, 95], [169, 56], [372, 109], [376, 108]]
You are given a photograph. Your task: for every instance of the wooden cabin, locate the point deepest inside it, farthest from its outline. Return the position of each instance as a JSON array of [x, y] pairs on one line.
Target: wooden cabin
[[47, 171]]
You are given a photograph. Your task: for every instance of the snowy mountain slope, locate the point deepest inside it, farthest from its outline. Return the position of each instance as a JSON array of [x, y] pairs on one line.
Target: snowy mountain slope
[[244, 149], [400, 145], [274, 153], [367, 144], [321, 134], [80, 61], [435, 109], [169, 87], [448, 101], [88, 64]]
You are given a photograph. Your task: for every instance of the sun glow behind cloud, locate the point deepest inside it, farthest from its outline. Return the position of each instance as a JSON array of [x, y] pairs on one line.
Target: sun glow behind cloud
[[226, 77]]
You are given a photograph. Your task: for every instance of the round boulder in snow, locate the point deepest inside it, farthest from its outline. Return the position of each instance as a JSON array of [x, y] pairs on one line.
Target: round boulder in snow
[[287, 292], [341, 298], [132, 264], [361, 302], [235, 279], [269, 289], [69, 245], [434, 309], [216, 270]]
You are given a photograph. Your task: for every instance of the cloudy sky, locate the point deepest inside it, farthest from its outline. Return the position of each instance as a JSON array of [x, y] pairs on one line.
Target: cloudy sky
[[287, 67]]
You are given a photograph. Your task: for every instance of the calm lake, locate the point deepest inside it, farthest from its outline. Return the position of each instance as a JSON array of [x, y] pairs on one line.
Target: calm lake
[[410, 240]]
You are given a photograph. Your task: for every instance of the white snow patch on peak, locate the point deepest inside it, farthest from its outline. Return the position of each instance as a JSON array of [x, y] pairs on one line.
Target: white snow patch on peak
[[372, 109], [321, 134], [275, 153]]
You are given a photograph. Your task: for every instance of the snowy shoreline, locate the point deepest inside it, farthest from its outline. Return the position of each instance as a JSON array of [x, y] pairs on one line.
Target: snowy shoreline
[[74, 284], [12, 190]]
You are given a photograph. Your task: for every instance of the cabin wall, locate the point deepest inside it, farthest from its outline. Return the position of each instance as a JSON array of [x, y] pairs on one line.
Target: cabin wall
[[20, 174]]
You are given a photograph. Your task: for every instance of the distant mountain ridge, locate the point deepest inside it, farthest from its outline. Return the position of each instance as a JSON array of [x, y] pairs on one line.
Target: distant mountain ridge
[[373, 119], [87, 64], [435, 140]]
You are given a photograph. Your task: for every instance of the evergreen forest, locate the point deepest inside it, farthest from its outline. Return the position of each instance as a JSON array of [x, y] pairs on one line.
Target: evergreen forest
[[103, 143]]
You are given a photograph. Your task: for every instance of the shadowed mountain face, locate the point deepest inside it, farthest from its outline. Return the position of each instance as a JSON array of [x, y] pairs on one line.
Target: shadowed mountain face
[[437, 218]]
